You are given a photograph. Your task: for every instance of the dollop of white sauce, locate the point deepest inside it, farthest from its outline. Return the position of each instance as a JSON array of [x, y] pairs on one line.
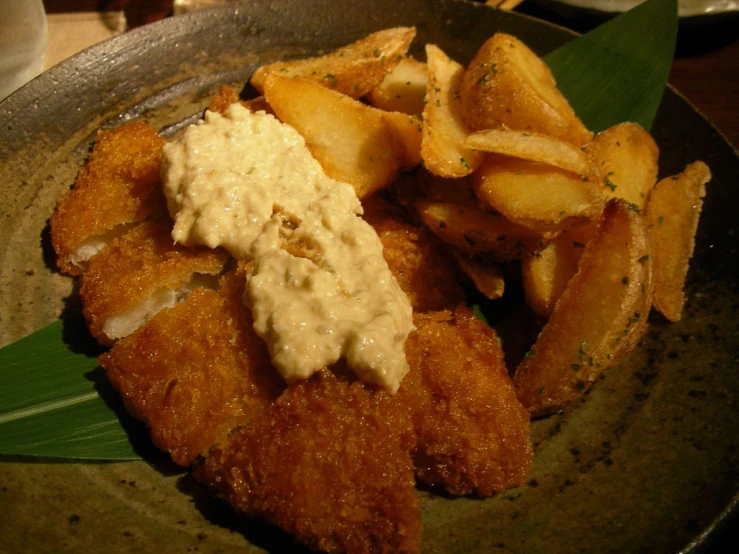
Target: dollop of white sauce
[[319, 287]]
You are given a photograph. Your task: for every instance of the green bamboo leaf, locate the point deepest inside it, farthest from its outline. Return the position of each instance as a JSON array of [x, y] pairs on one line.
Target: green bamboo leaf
[[618, 71], [55, 402]]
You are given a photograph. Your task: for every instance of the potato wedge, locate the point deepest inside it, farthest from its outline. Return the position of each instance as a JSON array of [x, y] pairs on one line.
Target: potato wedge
[[352, 141], [672, 214], [625, 158], [532, 146], [403, 89], [598, 318], [353, 70], [473, 231], [442, 146], [546, 274], [508, 85], [486, 276], [539, 196], [407, 130]]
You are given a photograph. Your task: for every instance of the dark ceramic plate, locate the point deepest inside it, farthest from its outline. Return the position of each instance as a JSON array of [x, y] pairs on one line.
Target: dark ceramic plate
[[647, 462]]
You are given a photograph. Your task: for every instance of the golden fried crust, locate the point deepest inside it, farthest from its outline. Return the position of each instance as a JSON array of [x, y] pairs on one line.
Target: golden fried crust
[[422, 270], [136, 266], [195, 371], [325, 464], [228, 96], [223, 100], [472, 432], [119, 184]]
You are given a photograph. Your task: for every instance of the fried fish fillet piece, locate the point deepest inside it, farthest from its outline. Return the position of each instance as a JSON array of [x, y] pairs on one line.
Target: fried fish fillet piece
[[118, 186], [195, 371], [329, 463], [472, 433], [423, 270], [227, 96], [138, 275]]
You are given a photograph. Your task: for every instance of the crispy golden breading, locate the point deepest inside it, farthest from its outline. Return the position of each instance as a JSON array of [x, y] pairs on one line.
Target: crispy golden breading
[[425, 273], [132, 270], [326, 464], [472, 432], [228, 96], [195, 371], [119, 184], [225, 97]]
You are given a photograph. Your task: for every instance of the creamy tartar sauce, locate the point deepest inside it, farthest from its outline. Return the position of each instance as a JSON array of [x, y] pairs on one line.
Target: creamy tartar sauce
[[319, 288]]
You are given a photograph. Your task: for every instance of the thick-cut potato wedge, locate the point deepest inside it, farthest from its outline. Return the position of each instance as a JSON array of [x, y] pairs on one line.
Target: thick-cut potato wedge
[[507, 85], [540, 196], [625, 158], [546, 274], [442, 148], [407, 130], [599, 318], [486, 276], [473, 231], [673, 211], [403, 89], [352, 141], [532, 146], [354, 69]]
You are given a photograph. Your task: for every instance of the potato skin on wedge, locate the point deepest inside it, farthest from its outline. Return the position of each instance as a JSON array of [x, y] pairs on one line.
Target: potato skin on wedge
[[672, 214], [444, 132], [354, 69], [508, 85], [625, 157], [597, 320]]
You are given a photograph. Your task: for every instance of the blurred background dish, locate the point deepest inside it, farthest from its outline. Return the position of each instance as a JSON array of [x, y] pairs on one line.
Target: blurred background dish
[[686, 8], [23, 40]]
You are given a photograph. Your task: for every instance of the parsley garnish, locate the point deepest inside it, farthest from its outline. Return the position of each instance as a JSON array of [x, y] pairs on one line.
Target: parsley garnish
[[332, 78]]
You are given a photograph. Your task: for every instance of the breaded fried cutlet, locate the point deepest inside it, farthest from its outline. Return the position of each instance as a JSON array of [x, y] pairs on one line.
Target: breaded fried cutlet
[[228, 96], [327, 464], [472, 432], [424, 272], [139, 274], [195, 371], [117, 186]]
